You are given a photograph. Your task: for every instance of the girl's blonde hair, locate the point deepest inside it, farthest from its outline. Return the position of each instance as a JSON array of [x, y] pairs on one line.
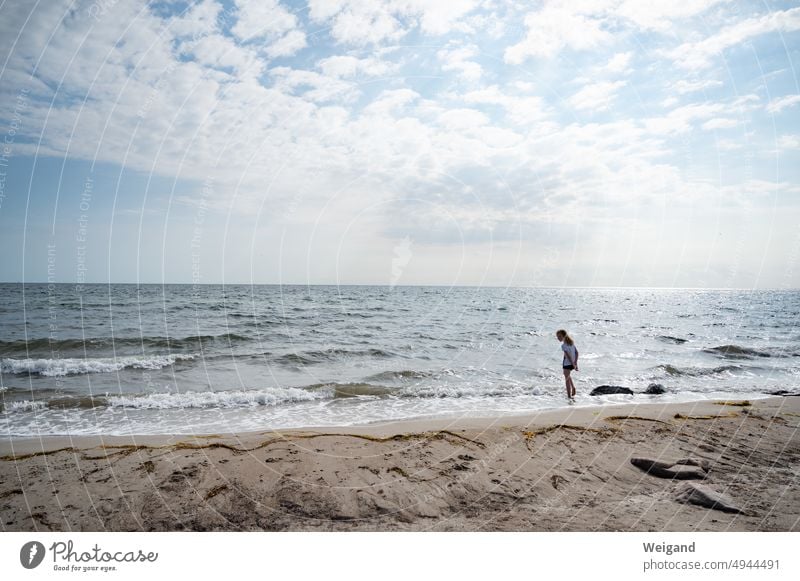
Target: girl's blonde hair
[[565, 337]]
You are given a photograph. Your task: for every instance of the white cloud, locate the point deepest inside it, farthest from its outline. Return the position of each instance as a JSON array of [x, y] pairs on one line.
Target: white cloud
[[700, 55], [746, 102], [458, 59], [729, 145], [312, 85], [219, 51], [199, 20], [587, 24], [720, 123], [349, 66], [660, 15], [365, 22], [789, 142], [681, 119], [463, 119], [439, 18], [287, 45], [555, 28], [492, 24], [669, 102], [362, 23], [268, 20], [391, 100], [597, 96], [778, 105], [684, 87], [520, 108], [181, 98], [619, 63], [262, 18]]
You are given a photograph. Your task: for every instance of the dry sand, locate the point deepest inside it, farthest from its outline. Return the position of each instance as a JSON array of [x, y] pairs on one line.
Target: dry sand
[[565, 470]]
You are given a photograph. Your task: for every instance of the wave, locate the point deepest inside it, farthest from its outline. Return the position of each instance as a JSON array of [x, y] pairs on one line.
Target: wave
[[216, 399], [442, 391], [60, 402], [428, 391], [62, 367], [397, 375], [23, 406], [77, 402], [785, 352], [166, 401], [333, 354], [670, 339], [22, 347], [702, 371], [274, 396], [346, 390], [735, 352]]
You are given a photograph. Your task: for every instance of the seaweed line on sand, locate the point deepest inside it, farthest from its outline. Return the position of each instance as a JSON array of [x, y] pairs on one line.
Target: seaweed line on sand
[[638, 418], [530, 434], [126, 449], [714, 417]]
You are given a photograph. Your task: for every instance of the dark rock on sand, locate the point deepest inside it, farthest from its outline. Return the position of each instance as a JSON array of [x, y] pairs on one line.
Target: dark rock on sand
[[667, 470], [655, 389], [692, 493], [611, 389], [784, 393]]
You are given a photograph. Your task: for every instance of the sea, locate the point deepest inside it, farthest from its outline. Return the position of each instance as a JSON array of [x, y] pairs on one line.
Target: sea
[[129, 359]]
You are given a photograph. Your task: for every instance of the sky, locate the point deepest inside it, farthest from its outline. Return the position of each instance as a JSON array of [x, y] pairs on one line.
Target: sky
[[630, 143]]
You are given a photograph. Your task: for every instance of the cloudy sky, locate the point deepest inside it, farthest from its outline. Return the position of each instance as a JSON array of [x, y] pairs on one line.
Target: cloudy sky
[[469, 142]]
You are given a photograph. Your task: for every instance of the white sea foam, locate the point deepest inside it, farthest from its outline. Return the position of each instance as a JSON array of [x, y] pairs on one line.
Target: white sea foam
[[466, 390], [218, 399], [61, 367], [25, 406]]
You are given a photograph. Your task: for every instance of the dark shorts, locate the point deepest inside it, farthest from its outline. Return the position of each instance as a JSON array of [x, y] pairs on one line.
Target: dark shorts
[[570, 367]]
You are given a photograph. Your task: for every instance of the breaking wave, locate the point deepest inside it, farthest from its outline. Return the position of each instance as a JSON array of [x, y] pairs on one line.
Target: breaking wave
[[736, 352], [701, 371], [192, 342], [215, 399], [62, 367]]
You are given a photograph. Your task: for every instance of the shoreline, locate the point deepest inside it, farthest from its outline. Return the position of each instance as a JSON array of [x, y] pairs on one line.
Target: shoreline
[[28, 442], [558, 469]]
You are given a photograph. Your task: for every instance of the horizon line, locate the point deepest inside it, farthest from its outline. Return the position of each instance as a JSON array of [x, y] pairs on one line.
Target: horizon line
[[428, 285]]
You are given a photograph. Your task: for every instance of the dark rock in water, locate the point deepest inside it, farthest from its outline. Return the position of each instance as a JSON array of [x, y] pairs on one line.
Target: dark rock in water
[[611, 389], [784, 393], [655, 389], [701, 495], [669, 339], [735, 352], [667, 470]]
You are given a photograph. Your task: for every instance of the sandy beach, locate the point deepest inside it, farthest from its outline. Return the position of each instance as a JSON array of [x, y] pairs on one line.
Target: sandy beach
[[561, 470]]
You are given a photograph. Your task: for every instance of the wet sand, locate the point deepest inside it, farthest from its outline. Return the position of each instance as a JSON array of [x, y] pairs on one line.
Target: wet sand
[[561, 470]]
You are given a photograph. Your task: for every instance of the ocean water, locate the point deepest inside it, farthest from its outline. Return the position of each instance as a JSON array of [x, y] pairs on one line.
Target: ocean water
[[183, 359]]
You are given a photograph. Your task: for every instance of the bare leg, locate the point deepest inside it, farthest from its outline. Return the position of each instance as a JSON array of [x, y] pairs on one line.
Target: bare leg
[[569, 384]]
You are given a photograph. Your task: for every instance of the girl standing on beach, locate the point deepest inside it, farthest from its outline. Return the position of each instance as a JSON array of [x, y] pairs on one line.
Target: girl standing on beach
[[570, 362]]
